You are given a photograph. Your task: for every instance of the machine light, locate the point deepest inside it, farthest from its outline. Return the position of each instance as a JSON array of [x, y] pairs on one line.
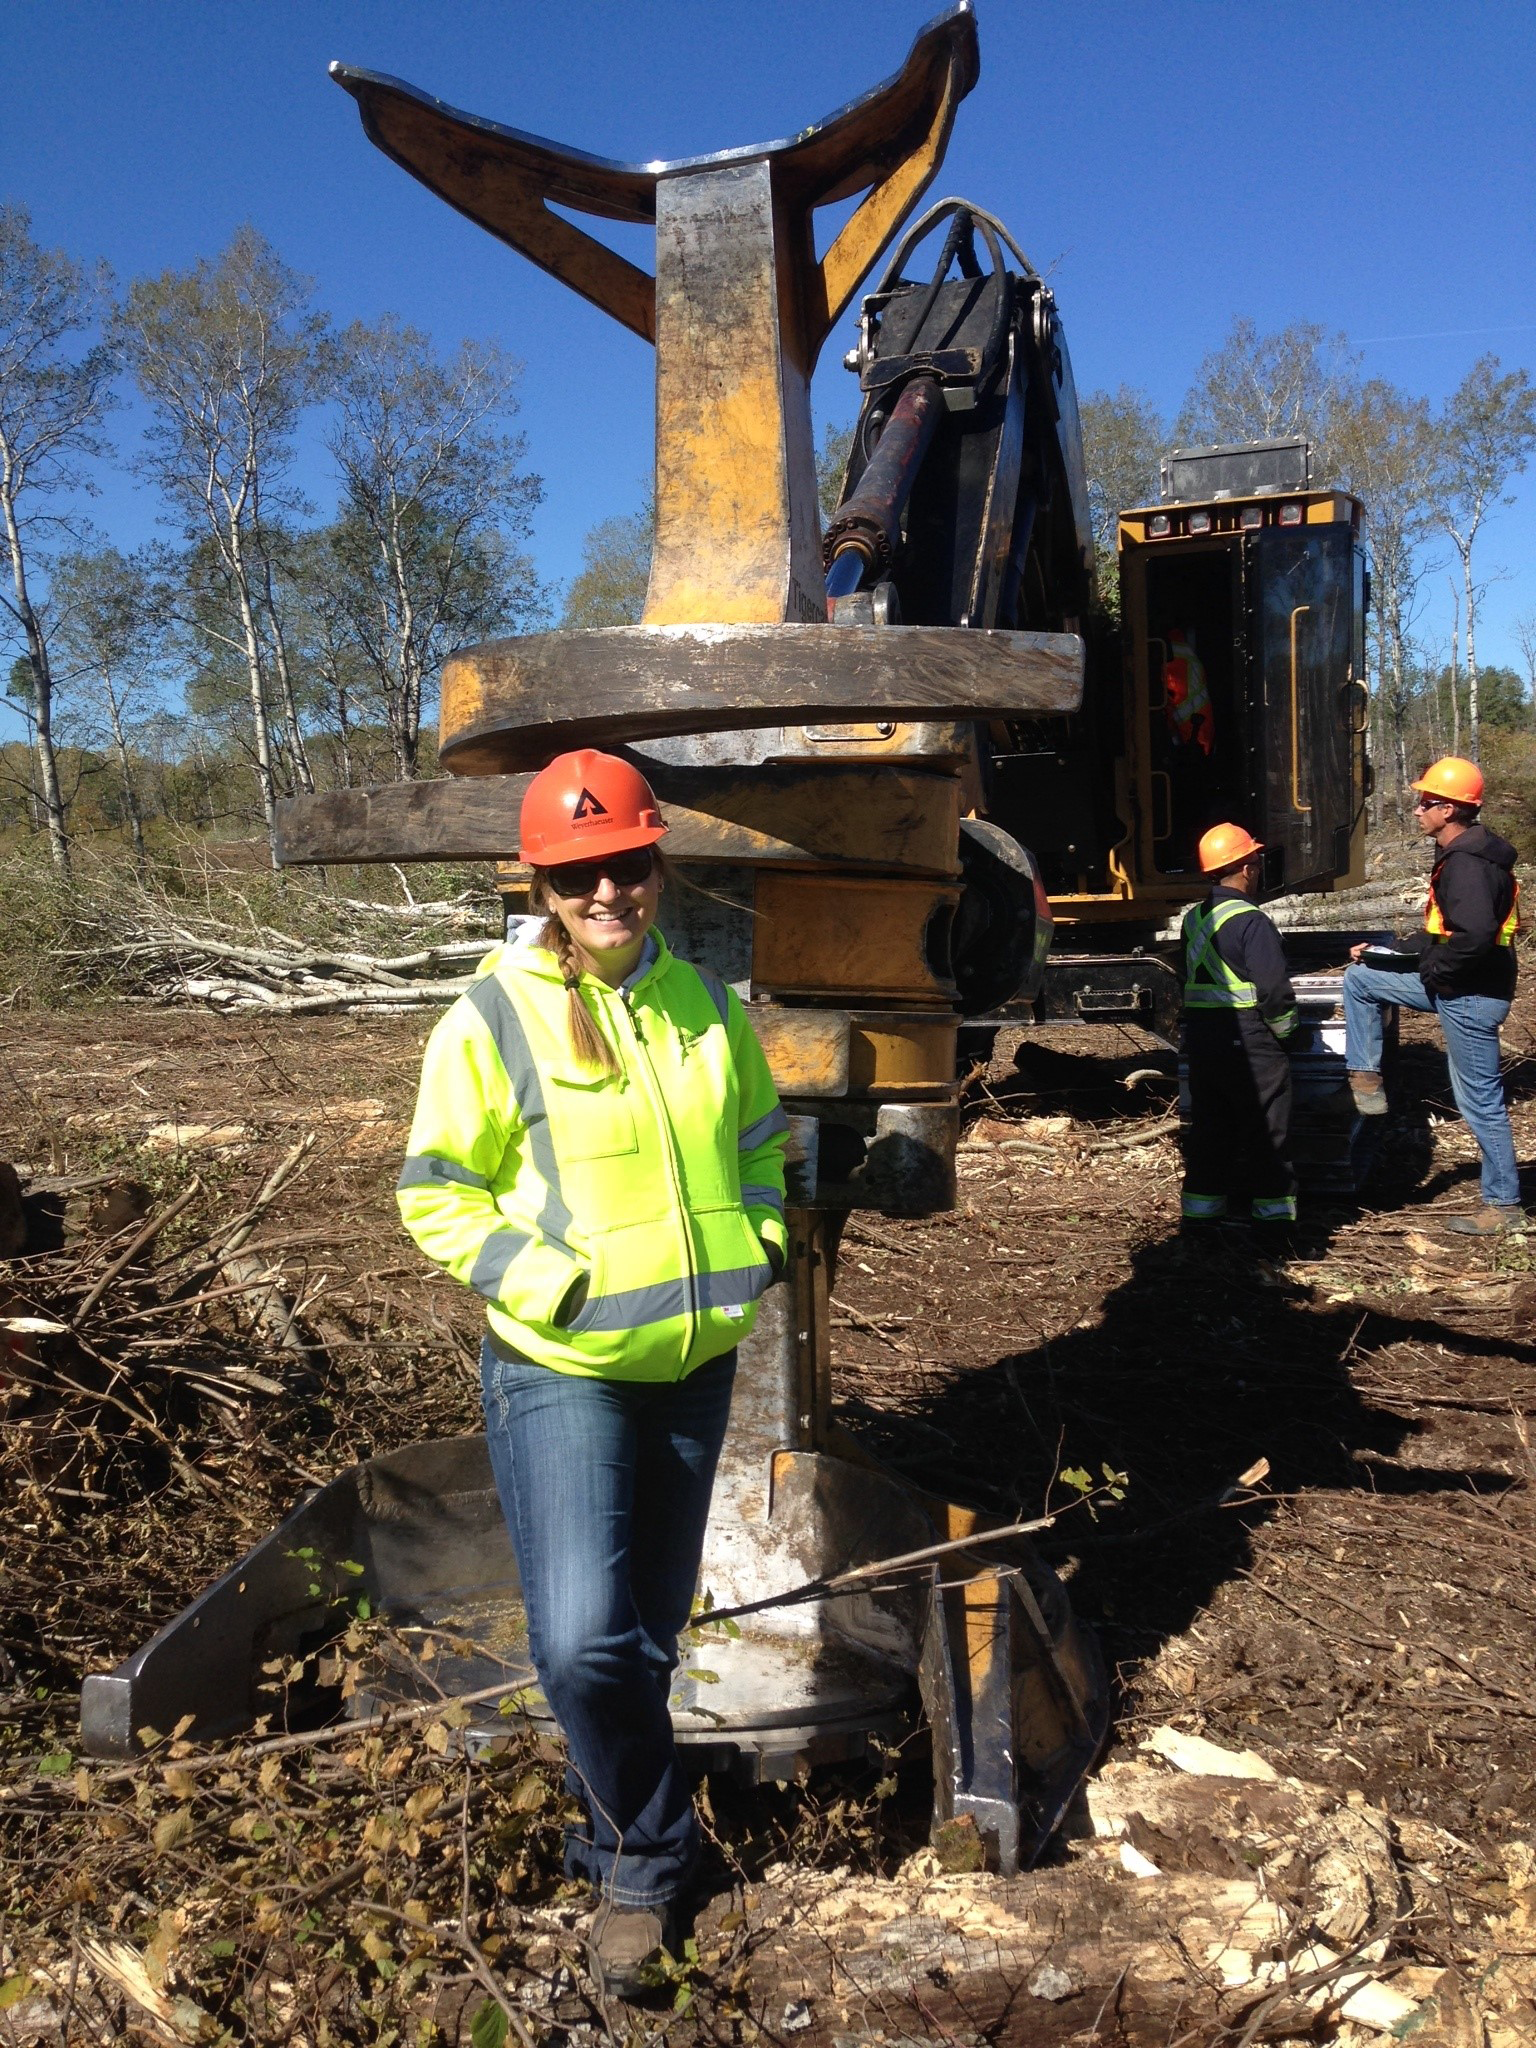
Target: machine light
[[1158, 526], [1250, 517], [1199, 522], [1290, 515]]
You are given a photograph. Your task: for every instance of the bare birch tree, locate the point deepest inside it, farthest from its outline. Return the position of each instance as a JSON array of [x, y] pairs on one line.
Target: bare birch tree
[[53, 395], [228, 355], [1525, 640], [1385, 452], [106, 627], [435, 503], [1267, 387], [1487, 433]]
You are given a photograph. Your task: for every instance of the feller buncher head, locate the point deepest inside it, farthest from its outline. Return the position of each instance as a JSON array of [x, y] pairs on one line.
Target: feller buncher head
[[822, 771]]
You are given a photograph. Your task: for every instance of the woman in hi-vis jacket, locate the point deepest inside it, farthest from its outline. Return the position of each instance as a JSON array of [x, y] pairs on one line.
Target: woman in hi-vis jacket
[[599, 1151]]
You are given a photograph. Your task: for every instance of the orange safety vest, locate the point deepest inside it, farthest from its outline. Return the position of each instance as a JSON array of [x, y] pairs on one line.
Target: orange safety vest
[[1187, 696], [1436, 926]]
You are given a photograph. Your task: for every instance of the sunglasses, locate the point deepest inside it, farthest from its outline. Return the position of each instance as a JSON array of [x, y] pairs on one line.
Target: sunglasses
[[1432, 803], [581, 877]]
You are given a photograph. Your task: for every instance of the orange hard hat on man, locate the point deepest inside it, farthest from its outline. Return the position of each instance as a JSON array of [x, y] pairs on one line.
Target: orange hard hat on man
[[1458, 781], [1225, 846], [585, 804]]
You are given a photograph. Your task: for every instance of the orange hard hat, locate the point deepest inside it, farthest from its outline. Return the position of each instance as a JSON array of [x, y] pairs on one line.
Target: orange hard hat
[[1224, 846], [583, 804], [1458, 781]]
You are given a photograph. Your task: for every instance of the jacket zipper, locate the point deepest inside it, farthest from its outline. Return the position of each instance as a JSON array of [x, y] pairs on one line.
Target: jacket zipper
[[658, 1110]]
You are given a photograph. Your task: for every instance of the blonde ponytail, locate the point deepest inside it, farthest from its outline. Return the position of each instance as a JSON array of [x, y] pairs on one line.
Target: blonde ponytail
[[588, 1045]]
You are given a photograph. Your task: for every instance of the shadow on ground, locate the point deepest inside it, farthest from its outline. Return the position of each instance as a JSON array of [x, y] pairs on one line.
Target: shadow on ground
[[1201, 1364]]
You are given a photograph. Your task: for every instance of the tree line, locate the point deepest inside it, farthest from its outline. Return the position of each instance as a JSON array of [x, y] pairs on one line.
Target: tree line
[[263, 652], [266, 651]]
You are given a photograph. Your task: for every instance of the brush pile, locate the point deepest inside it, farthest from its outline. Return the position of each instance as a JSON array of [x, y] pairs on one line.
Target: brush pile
[[158, 950], [121, 1366]]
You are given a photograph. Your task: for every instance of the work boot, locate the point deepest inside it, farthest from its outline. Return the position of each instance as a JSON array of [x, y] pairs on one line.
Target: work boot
[[1487, 1221], [1369, 1094], [624, 1945]]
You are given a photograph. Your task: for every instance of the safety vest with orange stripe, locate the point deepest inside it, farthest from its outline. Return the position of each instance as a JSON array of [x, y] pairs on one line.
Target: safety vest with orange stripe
[[1436, 926]]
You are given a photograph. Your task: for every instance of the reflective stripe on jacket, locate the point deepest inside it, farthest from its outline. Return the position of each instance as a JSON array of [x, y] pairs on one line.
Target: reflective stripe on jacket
[[658, 1185], [1209, 983], [1212, 982]]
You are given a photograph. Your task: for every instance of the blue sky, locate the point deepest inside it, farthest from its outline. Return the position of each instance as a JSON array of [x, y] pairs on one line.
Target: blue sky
[[1366, 166]]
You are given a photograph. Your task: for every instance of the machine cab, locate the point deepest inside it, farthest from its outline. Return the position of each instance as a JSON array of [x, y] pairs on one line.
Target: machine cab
[[1243, 600]]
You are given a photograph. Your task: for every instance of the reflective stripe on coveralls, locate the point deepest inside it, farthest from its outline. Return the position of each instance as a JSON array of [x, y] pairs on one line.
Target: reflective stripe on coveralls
[[1210, 984], [658, 1184]]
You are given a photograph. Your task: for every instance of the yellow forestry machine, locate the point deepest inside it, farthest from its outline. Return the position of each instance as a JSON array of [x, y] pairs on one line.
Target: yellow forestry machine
[[895, 754]]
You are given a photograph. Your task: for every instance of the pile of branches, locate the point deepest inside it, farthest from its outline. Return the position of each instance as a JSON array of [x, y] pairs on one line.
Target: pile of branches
[[143, 942], [124, 1368]]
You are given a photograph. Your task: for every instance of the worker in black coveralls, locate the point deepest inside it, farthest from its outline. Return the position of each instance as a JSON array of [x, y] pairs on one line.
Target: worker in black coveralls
[[1239, 1010]]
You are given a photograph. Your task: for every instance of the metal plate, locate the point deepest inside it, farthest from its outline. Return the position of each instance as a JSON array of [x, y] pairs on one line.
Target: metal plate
[[514, 704]]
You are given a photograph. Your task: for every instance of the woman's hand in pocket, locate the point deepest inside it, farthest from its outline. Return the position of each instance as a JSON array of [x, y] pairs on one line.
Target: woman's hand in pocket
[[572, 1303]]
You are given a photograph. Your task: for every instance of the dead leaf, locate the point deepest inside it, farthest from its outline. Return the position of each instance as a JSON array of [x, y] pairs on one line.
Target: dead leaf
[[172, 1828]]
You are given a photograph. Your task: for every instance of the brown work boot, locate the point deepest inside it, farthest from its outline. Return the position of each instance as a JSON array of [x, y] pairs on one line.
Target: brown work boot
[[625, 1945], [1487, 1222], [1369, 1094]]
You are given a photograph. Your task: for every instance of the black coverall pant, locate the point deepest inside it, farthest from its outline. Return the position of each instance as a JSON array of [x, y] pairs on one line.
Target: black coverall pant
[[1237, 1151]]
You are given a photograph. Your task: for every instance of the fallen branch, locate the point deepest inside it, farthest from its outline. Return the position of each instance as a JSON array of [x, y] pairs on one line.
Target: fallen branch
[[1168, 1125], [269, 1190], [137, 1243]]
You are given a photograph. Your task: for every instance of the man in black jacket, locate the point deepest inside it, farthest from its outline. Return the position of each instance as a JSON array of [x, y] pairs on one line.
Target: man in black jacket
[[1465, 961], [1239, 1009]]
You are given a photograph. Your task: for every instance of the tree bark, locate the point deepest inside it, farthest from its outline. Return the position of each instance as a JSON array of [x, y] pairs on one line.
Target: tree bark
[[343, 735], [1473, 723], [1400, 711], [259, 718], [303, 774], [42, 687]]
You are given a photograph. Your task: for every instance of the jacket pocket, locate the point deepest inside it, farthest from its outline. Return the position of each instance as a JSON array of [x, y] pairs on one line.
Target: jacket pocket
[[582, 1320], [590, 1116], [734, 1271]]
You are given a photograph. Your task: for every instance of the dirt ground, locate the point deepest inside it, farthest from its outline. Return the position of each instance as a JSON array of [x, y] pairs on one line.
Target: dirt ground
[[1360, 1618]]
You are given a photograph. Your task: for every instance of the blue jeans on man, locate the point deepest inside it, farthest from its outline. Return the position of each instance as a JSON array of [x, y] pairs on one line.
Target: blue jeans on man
[[1471, 1028], [605, 1486]]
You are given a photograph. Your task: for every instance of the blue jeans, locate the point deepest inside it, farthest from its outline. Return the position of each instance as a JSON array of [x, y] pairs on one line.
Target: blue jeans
[[605, 1486], [1471, 1027]]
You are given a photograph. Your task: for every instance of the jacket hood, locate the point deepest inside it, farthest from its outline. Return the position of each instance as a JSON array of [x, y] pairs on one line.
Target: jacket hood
[[522, 953], [1481, 844]]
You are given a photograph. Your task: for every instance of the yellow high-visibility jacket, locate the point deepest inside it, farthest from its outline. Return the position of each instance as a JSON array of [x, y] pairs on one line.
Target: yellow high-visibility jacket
[[659, 1185]]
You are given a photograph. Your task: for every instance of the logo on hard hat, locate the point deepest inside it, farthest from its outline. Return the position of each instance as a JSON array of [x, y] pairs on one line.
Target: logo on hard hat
[[587, 806]]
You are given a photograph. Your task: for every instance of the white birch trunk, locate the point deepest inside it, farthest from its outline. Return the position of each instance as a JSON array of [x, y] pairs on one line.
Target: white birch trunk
[[42, 687]]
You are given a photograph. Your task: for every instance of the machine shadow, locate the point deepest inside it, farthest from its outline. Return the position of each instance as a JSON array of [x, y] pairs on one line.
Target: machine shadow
[[1199, 1366]]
